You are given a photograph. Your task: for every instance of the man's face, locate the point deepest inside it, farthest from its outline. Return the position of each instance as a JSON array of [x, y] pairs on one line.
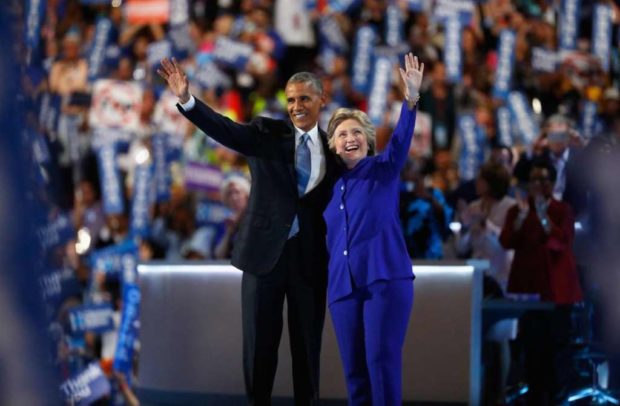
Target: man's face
[[303, 104]]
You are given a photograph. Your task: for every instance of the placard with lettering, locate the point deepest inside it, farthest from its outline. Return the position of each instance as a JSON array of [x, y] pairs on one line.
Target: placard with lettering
[[365, 40], [379, 88], [95, 318], [505, 62], [86, 387], [129, 329]]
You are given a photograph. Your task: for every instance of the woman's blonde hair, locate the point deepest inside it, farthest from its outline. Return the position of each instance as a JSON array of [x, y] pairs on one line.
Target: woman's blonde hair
[[344, 114]]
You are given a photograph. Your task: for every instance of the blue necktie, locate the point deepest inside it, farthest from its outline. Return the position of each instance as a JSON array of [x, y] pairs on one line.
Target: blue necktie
[[303, 165]]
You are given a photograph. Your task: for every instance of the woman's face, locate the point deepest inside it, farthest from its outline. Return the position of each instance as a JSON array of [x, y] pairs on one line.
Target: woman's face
[[350, 142]]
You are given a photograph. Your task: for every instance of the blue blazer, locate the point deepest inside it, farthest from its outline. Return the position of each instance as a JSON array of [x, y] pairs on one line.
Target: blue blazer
[[364, 236]]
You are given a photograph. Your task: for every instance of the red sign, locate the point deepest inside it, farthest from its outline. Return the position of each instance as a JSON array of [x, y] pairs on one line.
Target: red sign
[[147, 11]]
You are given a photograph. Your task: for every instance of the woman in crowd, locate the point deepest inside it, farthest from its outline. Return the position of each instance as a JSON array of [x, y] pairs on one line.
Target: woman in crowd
[[370, 289]]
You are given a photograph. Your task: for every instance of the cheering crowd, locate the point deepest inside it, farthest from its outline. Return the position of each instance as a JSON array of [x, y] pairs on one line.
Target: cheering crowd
[[517, 134]]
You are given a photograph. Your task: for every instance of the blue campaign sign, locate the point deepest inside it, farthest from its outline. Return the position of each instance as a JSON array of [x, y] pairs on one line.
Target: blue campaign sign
[[141, 202], [523, 117], [342, 6], [57, 285], [112, 191], [209, 212], [35, 12], [544, 60], [380, 85], [156, 51], [96, 57], [447, 9], [49, 112], [129, 329], [394, 26], [589, 119], [453, 52], [96, 318], [232, 53], [415, 5], [504, 126], [57, 231], [472, 146], [505, 62], [86, 387], [110, 259], [568, 27], [181, 40], [331, 34], [365, 40], [210, 76], [601, 34], [163, 178]]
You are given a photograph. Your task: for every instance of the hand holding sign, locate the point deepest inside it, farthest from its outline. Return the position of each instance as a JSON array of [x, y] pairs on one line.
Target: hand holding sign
[[177, 81]]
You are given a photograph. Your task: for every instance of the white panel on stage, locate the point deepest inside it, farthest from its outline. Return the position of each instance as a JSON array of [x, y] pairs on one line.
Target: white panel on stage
[[191, 334]]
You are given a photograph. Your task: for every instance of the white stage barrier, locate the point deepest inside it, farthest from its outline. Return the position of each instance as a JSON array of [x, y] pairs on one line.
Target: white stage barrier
[[191, 335]]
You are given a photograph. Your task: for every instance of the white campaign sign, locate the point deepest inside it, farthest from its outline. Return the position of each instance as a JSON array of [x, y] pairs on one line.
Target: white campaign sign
[[116, 104]]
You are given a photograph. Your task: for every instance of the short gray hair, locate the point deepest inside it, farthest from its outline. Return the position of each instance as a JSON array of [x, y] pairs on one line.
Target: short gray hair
[[343, 114], [238, 180], [307, 77]]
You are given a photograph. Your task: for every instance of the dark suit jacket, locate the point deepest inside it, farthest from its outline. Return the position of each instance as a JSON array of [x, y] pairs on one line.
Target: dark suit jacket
[[269, 146]]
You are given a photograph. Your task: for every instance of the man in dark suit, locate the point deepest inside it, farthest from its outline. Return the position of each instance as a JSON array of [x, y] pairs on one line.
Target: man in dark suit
[[280, 244]]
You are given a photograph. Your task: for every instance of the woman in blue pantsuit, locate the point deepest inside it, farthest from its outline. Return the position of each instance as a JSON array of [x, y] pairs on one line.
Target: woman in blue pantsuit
[[370, 283]]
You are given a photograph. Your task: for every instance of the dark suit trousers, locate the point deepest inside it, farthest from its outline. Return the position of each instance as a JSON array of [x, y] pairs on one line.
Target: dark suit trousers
[[262, 305]]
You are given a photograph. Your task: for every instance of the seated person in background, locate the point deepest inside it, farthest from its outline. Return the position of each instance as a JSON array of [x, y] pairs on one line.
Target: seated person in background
[[541, 231], [235, 192], [424, 214]]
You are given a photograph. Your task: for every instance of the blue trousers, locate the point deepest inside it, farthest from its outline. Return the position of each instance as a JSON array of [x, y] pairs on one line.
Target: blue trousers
[[370, 326]]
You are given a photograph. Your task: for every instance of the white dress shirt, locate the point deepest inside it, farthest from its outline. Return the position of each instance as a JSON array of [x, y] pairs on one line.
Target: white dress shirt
[[317, 156]]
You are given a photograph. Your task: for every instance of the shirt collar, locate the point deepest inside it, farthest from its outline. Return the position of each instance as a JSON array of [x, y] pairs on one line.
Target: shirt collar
[[313, 134]]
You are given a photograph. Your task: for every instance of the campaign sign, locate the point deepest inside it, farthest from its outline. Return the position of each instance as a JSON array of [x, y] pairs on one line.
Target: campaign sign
[[128, 330], [116, 104], [98, 48], [49, 112], [208, 212], [86, 387], [365, 40], [109, 175], [35, 12], [96, 318], [394, 30], [415, 5], [504, 127], [601, 34], [179, 12], [110, 136], [110, 259], [452, 53], [341, 6], [147, 11], [568, 27], [544, 60], [57, 231], [140, 205], [163, 178], [472, 141], [156, 51], [377, 99], [331, 34], [203, 177], [57, 285], [463, 10], [505, 62], [210, 76], [589, 118], [181, 40], [167, 117], [523, 117], [233, 54]]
